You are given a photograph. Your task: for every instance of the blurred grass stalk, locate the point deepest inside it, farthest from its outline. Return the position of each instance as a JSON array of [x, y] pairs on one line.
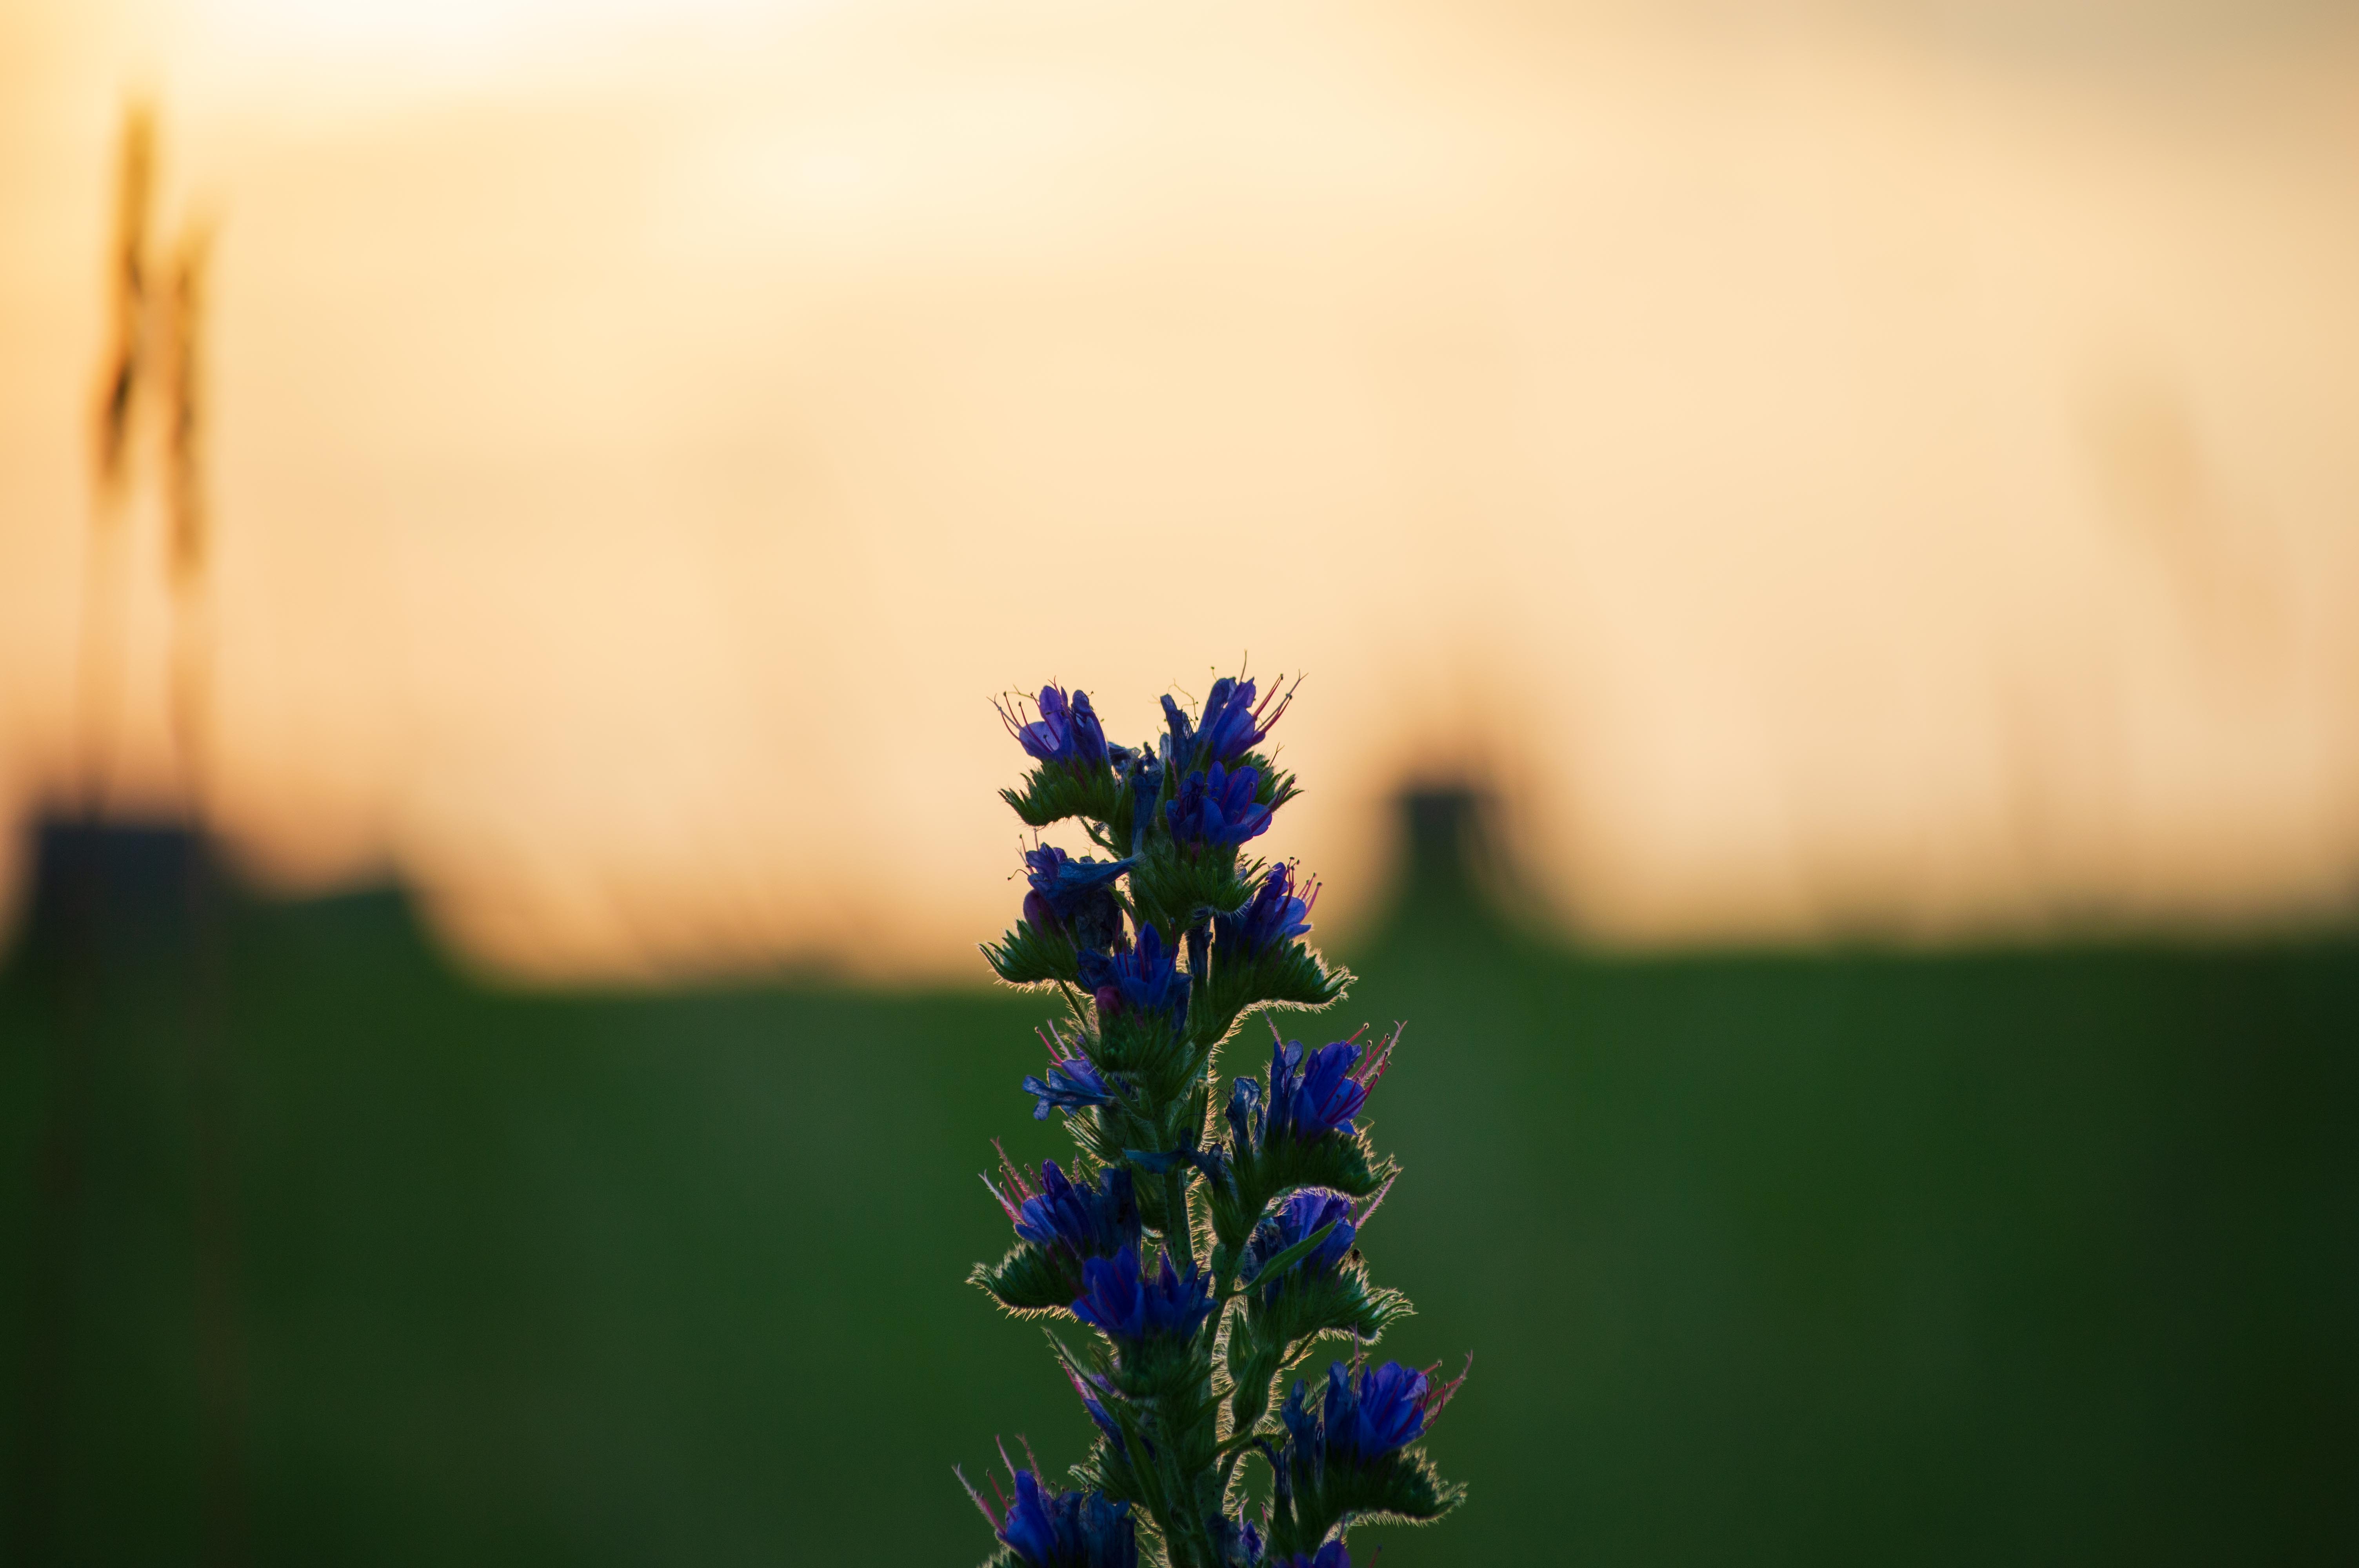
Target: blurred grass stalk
[[155, 351]]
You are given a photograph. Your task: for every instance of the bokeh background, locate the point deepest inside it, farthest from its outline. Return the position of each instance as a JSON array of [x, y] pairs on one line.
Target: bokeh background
[[1824, 542]]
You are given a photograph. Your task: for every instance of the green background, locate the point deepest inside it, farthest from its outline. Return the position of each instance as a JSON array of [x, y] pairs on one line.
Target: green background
[[2025, 1257]]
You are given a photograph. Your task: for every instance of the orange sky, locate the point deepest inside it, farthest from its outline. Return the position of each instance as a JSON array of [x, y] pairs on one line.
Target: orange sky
[[1836, 469]]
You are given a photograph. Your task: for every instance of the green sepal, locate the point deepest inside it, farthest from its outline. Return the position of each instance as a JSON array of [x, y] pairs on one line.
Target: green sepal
[[1287, 975], [1122, 823], [1291, 975], [1162, 1060], [1284, 1164], [1106, 1469], [1170, 1373], [1277, 786], [1251, 1365], [1030, 1280], [1169, 1418], [1102, 1132], [1107, 1466], [1054, 792], [1030, 957], [1340, 1302], [1173, 888], [1400, 1488]]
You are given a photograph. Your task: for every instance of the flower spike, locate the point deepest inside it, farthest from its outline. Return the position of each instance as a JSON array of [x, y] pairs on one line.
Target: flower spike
[[1201, 1222]]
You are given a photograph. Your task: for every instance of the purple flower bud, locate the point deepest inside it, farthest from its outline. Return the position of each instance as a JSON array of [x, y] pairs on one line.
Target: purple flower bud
[[1146, 977], [1272, 915], [1061, 1529], [1130, 1305], [1073, 1084], [1385, 1412], [1218, 808], [1363, 1419], [1072, 895], [1311, 1098], [1085, 1223], [1230, 726], [1067, 733]]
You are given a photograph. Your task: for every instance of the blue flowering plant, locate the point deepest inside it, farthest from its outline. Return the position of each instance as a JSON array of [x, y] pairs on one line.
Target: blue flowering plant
[[1200, 1250]]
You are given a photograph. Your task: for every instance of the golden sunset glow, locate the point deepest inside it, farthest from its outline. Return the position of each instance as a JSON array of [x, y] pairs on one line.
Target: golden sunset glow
[[1830, 470]]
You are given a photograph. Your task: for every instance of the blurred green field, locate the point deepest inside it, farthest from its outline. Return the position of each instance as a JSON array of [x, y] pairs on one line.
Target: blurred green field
[[2024, 1257]]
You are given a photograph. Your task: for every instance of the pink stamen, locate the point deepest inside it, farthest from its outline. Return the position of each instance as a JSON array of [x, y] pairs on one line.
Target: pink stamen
[[1061, 1052], [1379, 1057], [1264, 724], [1014, 1172], [1360, 1216], [985, 1508], [1011, 1210], [1011, 714], [1438, 1395]]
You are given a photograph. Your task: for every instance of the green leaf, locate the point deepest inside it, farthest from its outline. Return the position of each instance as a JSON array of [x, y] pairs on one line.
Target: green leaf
[[1290, 1258]]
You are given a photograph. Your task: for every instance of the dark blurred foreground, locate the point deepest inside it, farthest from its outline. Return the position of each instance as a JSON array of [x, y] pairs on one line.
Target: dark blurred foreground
[[2007, 1257]]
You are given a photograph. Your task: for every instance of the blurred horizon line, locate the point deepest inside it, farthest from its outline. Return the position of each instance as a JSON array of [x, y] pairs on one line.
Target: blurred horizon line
[[1448, 857]]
